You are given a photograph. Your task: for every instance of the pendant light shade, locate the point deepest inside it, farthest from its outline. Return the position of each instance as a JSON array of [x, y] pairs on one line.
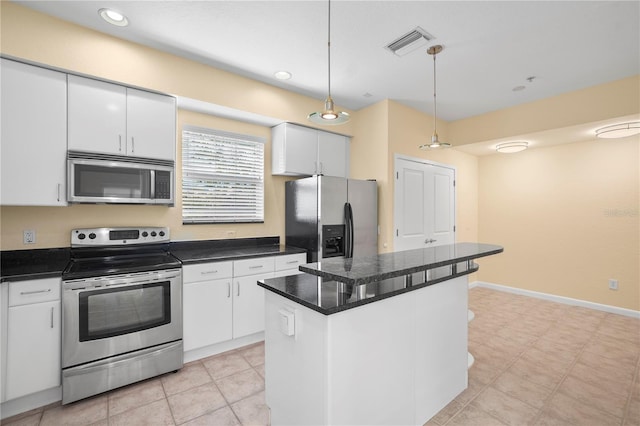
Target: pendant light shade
[[435, 142], [329, 115]]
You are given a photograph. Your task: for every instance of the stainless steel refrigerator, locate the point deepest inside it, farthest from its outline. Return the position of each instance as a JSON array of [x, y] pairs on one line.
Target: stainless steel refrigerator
[[332, 216]]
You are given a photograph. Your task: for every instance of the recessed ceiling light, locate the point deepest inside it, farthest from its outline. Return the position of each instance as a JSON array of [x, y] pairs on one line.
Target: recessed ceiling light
[[619, 130], [282, 75], [512, 147], [113, 17]]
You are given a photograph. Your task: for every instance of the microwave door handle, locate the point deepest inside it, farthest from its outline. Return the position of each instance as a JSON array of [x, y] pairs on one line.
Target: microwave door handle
[[153, 184]]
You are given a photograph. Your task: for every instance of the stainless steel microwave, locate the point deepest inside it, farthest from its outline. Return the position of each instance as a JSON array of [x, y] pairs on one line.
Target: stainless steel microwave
[[107, 179]]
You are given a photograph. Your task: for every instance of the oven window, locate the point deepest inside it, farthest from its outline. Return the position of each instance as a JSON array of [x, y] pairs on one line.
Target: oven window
[[123, 310]]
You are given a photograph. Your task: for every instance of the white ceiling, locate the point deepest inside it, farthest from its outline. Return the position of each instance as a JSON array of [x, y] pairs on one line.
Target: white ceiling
[[490, 47]]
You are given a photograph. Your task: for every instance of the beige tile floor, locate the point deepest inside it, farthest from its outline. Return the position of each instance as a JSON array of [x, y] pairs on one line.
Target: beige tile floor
[[537, 363]]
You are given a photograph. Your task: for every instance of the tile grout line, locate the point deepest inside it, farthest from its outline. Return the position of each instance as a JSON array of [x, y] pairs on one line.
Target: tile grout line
[[566, 374], [487, 385], [636, 378]]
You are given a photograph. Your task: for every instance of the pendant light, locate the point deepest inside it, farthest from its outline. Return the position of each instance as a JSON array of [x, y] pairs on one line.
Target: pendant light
[[435, 142], [329, 115]]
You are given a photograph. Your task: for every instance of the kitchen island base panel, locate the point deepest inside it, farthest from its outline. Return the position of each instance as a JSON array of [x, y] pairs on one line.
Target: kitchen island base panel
[[397, 361]]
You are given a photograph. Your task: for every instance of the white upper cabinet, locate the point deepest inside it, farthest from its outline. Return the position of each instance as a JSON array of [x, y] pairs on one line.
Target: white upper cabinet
[[112, 119], [34, 135], [300, 151], [151, 125], [333, 152]]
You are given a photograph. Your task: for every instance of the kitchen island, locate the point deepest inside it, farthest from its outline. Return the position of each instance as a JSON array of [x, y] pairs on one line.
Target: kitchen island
[[372, 340]]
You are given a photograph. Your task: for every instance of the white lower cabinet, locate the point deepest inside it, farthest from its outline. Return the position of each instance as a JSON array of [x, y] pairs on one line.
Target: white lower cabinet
[[207, 304], [248, 299], [222, 300], [33, 337]]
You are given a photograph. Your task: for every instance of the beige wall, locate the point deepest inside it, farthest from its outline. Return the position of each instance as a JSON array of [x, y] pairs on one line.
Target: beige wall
[[568, 218], [411, 128]]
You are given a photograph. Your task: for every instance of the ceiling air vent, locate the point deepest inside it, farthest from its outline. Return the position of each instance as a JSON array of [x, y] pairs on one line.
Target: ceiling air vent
[[409, 42]]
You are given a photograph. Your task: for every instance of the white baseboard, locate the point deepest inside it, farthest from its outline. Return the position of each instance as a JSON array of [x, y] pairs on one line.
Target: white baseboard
[[218, 348], [30, 402], [558, 299]]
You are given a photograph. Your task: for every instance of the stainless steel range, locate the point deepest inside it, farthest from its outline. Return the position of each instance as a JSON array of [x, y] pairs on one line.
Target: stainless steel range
[[122, 310]]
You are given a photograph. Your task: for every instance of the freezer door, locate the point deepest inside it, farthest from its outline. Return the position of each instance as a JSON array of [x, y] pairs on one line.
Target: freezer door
[[363, 198], [333, 196], [301, 211]]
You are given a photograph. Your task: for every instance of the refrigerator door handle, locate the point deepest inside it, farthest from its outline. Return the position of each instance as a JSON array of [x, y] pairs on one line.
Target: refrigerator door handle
[[348, 216]]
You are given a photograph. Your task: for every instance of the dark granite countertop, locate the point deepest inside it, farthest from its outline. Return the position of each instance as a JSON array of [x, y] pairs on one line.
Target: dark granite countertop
[[20, 265], [46, 263], [329, 297], [190, 252], [367, 269]]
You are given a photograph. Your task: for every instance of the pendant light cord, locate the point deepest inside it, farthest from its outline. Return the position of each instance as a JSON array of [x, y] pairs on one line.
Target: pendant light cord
[[435, 105], [329, 50]]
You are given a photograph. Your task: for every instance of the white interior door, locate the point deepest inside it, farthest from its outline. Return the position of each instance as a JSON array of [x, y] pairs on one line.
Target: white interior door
[[424, 204]]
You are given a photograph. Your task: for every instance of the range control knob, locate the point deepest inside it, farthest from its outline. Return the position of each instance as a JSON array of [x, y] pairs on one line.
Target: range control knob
[[161, 233], [81, 236], [153, 233], [92, 236], [145, 234]]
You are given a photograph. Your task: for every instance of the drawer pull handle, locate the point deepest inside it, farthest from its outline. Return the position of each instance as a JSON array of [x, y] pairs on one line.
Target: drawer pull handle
[[24, 293], [292, 261], [228, 290], [256, 267], [208, 272], [52, 317]]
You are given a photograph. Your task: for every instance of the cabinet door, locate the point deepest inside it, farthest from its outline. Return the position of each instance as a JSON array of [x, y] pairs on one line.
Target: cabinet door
[[34, 135], [248, 305], [207, 307], [333, 154], [97, 116], [151, 125], [33, 348], [301, 150]]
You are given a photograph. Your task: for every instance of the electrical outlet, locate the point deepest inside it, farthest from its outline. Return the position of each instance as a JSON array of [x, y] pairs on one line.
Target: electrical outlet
[[613, 284], [29, 236]]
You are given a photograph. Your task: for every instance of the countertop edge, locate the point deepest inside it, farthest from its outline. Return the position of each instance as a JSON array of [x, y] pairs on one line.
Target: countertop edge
[[392, 274], [355, 304]]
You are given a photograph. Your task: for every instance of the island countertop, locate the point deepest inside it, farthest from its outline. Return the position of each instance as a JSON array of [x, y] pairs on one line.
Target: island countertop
[[368, 269], [341, 284]]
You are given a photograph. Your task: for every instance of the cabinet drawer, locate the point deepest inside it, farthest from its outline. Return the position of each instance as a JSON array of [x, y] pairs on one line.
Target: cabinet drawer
[[290, 261], [253, 266], [34, 291], [207, 271]]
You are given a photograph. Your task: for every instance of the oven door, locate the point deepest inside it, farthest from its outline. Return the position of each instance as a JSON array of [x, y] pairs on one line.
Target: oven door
[[112, 315]]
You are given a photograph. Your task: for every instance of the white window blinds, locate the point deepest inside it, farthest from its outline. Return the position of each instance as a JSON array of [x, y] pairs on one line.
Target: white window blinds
[[222, 177]]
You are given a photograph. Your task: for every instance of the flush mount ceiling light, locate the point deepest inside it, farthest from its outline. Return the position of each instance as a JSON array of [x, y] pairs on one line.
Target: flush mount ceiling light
[[435, 142], [329, 115], [512, 147], [113, 17], [619, 130]]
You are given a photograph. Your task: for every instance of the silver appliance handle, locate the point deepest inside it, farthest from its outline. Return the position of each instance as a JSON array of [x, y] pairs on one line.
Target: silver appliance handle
[[152, 192], [120, 280], [24, 293]]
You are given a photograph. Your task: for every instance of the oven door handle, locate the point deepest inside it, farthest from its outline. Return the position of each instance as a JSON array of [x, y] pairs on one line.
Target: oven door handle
[[122, 359], [120, 281]]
